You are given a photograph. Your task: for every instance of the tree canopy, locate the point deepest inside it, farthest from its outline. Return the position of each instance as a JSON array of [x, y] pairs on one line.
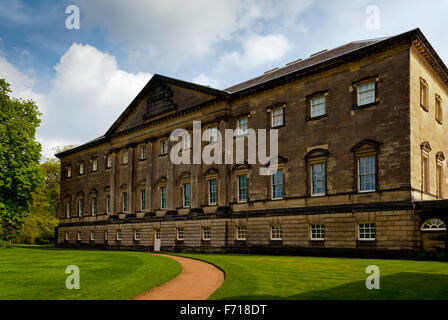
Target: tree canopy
[[20, 154]]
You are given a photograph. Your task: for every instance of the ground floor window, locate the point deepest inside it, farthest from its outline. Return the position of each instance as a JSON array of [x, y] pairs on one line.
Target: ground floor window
[[92, 236], [276, 232], [67, 237], [180, 234], [118, 235], [241, 233], [105, 235], [136, 234], [434, 225], [367, 231], [206, 234], [317, 232], [79, 236]]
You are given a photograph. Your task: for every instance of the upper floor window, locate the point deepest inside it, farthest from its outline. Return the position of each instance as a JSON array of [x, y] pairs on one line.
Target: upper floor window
[[277, 117], [163, 197], [108, 204], [367, 174], [143, 152], [366, 93], [81, 168], [68, 209], [440, 180], [242, 188], [108, 162], [212, 192], [80, 207], [277, 185], [318, 179], [143, 199], [163, 146], [424, 91], [95, 165], [94, 206], [186, 195], [243, 126], [125, 157], [318, 106], [69, 171], [125, 202], [213, 134], [439, 110], [186, 141], [425, 150]]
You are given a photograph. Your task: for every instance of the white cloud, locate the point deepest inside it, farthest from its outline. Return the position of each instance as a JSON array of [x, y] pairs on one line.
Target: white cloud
[[257, 51], [205, 80], [89, 91], [173, 32]]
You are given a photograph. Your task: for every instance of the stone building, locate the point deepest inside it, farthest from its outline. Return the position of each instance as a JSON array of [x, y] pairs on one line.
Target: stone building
[[361, 144]]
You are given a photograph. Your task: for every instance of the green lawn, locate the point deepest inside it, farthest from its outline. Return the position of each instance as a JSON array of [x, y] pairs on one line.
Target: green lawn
[[272, 277], [39, 273]]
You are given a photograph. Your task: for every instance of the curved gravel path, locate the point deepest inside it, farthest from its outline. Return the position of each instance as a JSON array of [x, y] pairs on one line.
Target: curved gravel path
[[197, 281]]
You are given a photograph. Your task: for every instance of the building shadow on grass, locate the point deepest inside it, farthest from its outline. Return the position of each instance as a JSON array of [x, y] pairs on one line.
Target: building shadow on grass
[[399, 286]]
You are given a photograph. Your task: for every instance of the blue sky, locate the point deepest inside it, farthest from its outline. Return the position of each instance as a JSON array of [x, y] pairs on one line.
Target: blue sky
[[83, 79]]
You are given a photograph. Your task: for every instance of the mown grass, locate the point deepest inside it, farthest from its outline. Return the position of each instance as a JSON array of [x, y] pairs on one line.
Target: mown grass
[[35, 272], [292, 278]]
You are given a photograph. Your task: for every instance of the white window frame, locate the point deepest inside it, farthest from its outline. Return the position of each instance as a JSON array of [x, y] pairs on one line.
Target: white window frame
[[67, 236], [318, 228], [184, 204], [206, 233], [137, 234], [180, 235], [119, 235], [143, 199], [241, 233], [438, 224], [238, 187], [125, 157], [78, 236], [124, 196], [143, 152], [94, 203], [213, 134], [108, 203], [275, 116], [358, 92], [210, 202], [95, 165], [240, 131], [276, 232], [359, 175], [69, 171], [318, 194], [370, 232], [163, 207], [164, 146], [108, 162], [274, 185], [92, 235], [106, 235], [81, 168], [313, 105], [68, 208]]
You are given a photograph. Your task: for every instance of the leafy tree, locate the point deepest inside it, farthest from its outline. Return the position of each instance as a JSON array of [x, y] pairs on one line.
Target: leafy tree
[[39, 225], [19, 160]]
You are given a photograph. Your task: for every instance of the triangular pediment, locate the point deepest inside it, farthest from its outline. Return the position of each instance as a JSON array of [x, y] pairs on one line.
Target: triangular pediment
[[162, 96]]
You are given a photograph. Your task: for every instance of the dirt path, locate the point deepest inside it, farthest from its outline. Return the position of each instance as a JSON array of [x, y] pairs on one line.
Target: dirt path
[[197, 281]]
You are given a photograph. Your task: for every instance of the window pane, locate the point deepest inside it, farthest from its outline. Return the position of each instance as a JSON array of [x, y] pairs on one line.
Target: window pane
[[242, 188], [366, 93], [277, 184], [318, 178], [318, 106], [367, 174]]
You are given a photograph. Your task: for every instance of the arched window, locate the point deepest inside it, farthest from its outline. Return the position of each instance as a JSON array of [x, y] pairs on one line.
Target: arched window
[[434, 225]]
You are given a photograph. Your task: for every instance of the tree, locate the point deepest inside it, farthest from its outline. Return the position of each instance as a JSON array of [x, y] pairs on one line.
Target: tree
[[19, 160], [39, 225]]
